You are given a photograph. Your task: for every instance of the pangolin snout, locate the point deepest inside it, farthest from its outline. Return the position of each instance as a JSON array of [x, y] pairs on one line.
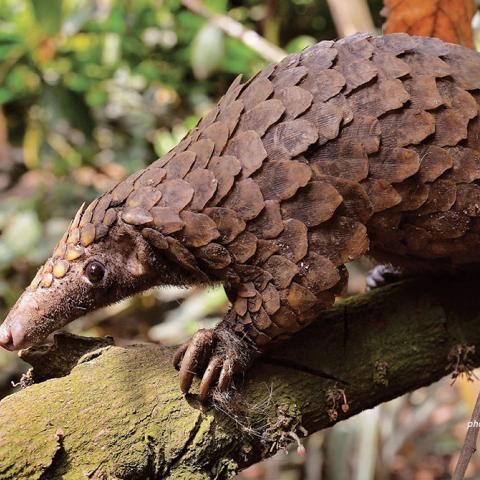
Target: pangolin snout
[[12, 337], [6, 340]]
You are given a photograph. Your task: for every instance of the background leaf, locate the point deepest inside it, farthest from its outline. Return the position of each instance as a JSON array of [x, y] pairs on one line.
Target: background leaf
[[449, 20]]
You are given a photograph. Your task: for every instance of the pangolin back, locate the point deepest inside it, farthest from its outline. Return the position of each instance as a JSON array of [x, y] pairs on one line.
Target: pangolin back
[[363, 143]]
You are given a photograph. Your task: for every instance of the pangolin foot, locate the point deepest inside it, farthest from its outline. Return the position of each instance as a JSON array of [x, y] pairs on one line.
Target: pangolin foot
[[215, 355], [382, 275]]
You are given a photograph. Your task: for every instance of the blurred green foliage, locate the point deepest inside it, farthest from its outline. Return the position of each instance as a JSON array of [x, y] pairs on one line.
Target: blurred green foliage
[[91, 90]]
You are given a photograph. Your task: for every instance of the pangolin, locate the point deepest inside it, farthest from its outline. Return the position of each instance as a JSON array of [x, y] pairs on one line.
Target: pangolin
[[365, 144]]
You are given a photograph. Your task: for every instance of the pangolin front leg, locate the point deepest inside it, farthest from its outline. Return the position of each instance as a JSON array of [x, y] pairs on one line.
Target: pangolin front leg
[[383, 275]]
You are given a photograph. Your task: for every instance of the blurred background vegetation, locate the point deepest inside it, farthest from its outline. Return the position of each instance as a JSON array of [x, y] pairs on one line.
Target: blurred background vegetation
[[92, 90]]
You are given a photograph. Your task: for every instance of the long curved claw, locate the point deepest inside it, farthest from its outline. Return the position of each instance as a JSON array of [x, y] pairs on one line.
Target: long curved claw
[[217, 356], [195, 357], [226, 375], [209, 377], [178, 356]]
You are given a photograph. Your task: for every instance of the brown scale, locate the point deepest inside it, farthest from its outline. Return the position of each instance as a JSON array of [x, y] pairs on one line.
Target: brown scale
[[360, 145]]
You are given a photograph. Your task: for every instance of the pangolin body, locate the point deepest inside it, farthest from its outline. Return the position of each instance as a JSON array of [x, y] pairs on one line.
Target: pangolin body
[[363, 144]]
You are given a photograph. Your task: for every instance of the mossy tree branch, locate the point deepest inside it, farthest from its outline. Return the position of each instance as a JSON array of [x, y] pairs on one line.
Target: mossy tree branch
[[119, 413]]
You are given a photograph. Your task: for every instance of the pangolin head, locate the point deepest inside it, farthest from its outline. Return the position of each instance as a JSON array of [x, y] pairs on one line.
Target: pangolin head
[[93, 265]]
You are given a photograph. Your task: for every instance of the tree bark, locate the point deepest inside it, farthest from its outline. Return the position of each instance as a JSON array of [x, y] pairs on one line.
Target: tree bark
[[119, 413]]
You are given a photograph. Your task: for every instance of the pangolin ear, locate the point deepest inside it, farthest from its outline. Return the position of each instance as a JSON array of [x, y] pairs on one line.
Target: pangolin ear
[[135, 251], [135, 265]]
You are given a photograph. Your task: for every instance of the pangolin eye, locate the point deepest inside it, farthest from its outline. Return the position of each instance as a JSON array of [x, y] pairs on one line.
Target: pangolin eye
[[95, 271]]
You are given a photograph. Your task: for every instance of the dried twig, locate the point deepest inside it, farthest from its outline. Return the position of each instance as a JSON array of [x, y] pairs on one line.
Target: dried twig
[[351, 16], [234, 29], [470, 444]]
